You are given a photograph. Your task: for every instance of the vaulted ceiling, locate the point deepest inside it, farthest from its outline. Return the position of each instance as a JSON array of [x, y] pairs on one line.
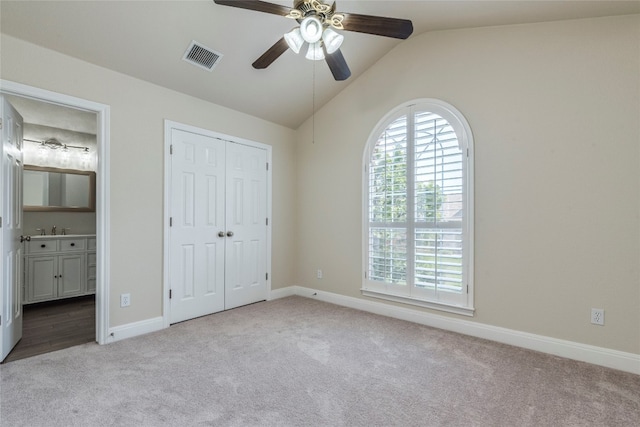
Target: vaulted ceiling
[[147, 39]]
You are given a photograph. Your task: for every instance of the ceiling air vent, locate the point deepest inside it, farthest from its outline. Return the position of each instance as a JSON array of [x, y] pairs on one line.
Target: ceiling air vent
[[202, 56]]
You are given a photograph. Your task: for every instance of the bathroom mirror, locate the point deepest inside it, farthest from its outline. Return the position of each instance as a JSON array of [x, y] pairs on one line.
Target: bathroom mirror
[[59, 190]]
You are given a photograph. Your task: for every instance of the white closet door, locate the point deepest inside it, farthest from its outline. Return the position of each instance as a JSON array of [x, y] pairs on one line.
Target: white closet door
[[246, 248], [246, 208], [197, 211]]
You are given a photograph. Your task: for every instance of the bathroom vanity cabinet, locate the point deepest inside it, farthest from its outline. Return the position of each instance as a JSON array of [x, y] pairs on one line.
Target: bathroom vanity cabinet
[[59, 267]]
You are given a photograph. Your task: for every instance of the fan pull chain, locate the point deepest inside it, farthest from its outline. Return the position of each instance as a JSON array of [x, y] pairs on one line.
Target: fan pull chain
[[313, 106]]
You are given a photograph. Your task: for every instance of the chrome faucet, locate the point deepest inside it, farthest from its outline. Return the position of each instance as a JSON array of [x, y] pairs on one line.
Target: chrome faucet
[[53, 230]]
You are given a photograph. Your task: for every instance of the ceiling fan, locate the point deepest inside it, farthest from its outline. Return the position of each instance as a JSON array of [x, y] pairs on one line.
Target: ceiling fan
[[317, 23]]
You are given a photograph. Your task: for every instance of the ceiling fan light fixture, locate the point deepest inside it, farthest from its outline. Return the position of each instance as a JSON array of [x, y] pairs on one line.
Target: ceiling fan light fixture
[[315, 52], [311, 29], [332, 40], [294, 40]]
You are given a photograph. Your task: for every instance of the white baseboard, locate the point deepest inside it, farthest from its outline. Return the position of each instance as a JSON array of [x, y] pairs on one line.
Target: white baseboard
[[628, 362], [134, 329], [282, 293]]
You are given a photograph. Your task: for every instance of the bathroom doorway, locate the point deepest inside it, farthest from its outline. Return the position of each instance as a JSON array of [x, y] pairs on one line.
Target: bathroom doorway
[[62, 133], [58, 291]]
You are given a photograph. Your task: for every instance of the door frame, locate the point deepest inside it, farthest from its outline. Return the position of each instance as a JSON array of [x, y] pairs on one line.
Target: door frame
[[168, 127], [102, 112]]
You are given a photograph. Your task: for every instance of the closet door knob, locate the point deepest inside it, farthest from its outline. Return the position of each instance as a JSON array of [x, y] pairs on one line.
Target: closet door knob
[[229, 233], [221, 234]]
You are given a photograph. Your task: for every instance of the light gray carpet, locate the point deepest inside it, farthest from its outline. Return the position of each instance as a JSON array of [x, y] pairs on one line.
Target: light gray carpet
[[301, 362]]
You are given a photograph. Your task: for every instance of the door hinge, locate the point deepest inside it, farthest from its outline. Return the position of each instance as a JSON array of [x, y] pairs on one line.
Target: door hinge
[[467, 288], [267, 166], [467, 152], [266, 276], [170, 294], [0, 222], [267, 221], [171, 149], [170, 221], [0, 123], [0, 320], [365, 274]]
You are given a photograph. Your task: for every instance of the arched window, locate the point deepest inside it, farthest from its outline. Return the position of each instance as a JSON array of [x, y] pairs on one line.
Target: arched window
[[418, 209]]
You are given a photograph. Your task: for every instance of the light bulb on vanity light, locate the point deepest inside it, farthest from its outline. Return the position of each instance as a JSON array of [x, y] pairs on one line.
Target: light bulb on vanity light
[[86, 158], [65, 156]]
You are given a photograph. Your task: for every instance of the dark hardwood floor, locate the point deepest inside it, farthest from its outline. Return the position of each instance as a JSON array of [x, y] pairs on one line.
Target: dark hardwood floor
[[54, 325]]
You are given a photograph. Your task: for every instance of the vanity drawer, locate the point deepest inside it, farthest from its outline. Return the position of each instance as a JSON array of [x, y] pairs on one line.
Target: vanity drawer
[[73, 245], [42, 246]]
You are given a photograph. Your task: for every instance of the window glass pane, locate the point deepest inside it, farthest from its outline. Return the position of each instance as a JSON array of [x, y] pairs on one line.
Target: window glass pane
[[388, 255], [388, 175], [438, 170]]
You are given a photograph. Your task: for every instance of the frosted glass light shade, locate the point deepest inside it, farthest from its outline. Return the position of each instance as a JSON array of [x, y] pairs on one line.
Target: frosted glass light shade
[[311, 29], [315, 52], [332, 40], [294, 40]]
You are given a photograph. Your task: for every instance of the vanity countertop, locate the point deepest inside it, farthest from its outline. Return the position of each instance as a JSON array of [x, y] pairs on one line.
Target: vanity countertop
[[61, 236]]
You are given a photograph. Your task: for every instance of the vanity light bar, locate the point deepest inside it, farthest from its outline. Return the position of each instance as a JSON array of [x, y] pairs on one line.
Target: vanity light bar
[[54, 144]]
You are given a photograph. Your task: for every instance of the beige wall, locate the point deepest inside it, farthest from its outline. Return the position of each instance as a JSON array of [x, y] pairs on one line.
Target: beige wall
[[138, 110], [554, 109]]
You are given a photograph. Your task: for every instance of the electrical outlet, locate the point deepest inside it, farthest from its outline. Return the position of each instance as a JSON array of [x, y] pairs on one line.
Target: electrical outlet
[[125, 300], [597, 316], [319, 274]]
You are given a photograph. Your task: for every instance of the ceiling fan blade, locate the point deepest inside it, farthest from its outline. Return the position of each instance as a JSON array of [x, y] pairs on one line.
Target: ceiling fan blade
[[337, 65], [260, 6], [378, 25], [271, 54]]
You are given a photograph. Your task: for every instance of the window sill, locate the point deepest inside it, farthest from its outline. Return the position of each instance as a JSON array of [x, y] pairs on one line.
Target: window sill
[[455, 309]]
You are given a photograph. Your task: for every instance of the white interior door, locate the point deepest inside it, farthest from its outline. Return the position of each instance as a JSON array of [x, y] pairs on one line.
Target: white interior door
[[11, 211], [246, 219], [197, 218]]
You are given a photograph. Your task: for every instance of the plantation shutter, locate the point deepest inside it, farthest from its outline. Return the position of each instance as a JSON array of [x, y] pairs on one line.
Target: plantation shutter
[[438, 202], [388, 205], [416, 209]]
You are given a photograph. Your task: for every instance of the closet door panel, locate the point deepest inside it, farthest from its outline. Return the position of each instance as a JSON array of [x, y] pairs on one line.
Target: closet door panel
[[197, 216], [246, 264]]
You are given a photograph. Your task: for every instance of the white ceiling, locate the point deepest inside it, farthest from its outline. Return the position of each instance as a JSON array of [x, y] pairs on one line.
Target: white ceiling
[[147, 39], [54, 116]]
